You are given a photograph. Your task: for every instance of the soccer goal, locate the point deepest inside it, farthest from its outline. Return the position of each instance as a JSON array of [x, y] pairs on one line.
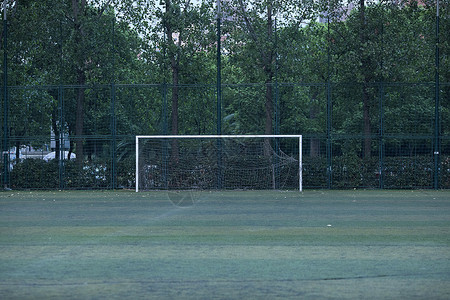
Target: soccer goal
[[218, 162]]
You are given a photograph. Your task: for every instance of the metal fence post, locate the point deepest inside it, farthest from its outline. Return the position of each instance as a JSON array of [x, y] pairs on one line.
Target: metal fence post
[[61, 136], [219, 98], [113, 111], [5, 101], [114, 136], [165, 130], [329, 144], [329, 139], [381, 137], [436, 106]]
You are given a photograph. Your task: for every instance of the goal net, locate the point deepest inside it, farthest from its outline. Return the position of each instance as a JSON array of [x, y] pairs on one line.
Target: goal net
[[212, 162]]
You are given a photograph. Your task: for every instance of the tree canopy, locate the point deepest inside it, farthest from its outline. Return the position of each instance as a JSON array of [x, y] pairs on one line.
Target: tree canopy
[[153, 65]]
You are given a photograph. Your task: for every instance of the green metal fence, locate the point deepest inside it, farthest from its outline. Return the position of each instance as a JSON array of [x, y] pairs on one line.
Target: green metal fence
[[366, 85], [401, 138]]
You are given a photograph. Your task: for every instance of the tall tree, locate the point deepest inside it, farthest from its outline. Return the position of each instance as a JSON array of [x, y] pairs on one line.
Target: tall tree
[[381, 42], [252, 40], [305, 63], [188, 38], [70, 42], [91, 43]]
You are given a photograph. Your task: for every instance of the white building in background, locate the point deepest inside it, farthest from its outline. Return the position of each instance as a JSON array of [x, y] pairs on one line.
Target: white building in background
[[65, 155], [64, 146]]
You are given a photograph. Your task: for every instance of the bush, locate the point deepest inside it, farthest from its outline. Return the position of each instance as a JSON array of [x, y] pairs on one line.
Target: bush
[[399, 172], [314, 172], [354, 172], [92, 175], [445, 172], [35, 174], [408, 172], [126, 173], [39, 174]]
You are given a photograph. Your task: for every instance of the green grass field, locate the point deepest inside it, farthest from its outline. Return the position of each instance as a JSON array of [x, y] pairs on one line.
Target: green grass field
[[225, 245]]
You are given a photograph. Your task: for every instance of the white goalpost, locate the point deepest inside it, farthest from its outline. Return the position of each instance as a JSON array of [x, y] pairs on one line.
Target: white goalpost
[[202, 162]]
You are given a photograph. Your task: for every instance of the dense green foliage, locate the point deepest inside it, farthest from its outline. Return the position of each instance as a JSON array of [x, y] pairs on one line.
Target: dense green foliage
[[103, 71]]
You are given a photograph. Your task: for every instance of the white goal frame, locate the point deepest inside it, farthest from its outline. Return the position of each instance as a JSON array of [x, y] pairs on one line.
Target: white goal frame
[[299, 137]]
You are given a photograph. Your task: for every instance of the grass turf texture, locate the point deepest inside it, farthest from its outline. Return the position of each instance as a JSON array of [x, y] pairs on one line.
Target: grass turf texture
[[225, 245]]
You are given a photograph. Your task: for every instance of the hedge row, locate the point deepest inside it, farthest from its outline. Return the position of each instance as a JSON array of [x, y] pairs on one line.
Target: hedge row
[[39, 174], [346, 172]]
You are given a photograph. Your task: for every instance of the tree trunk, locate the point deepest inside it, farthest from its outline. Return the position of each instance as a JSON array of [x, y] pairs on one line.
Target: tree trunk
[[314, 146], [364, 69], [174, 64], [268, 129], [268, 68], [17, 151], [175, 71], [267, 55], [77, 8], [367, 126], [56, 132], [79, 121]]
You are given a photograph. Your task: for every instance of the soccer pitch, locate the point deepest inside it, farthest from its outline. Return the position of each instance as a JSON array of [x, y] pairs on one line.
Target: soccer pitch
[[225, 245]]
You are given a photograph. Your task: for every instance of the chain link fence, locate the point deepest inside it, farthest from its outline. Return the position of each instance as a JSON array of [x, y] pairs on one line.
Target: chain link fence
[[394, 150], [367, 85]]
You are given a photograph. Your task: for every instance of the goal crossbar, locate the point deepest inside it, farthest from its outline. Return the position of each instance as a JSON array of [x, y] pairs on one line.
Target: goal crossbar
[[299, 137]]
